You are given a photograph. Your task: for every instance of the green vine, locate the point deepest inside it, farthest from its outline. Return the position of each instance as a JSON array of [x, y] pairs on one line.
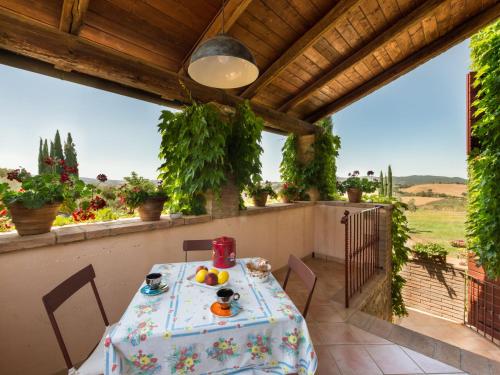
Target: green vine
[[321, 171], [193, 148], [201, 148], [400, 235], [483, 224]]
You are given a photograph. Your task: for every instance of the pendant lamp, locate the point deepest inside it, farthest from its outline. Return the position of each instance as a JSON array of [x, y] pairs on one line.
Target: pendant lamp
[[223, 62]]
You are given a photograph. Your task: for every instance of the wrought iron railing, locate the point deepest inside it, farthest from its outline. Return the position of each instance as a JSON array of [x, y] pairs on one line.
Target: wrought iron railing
[[361, 248], [483, 308]]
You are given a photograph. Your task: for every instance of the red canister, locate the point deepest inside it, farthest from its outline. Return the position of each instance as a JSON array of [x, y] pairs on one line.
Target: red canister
[[224, 252]]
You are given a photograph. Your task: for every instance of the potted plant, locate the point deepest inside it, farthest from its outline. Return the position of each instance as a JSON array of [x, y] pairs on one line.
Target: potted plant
[[34, 201], [148, 197], [260, 192], [355, 186], [289, 192]]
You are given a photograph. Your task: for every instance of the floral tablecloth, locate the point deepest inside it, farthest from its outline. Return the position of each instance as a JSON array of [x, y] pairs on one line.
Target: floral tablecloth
[[175, 333]]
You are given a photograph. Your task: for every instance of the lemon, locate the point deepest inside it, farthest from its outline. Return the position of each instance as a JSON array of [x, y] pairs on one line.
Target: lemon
[[214, 270], [200, 276], [223, 277]]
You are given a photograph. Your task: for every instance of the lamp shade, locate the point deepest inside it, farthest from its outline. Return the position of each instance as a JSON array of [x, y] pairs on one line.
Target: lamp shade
[[223, 62]]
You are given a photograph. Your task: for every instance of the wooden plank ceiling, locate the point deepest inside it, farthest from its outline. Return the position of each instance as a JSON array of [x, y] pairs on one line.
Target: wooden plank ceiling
[[314, 56]]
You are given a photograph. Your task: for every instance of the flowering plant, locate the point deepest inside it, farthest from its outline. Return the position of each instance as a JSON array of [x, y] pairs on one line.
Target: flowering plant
[[259, 188], [365, 184], [290, 191], [139, 189], [62, 187]]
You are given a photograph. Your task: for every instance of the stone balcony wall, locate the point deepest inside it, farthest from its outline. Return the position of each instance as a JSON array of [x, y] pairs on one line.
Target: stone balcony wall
[[122, 252]]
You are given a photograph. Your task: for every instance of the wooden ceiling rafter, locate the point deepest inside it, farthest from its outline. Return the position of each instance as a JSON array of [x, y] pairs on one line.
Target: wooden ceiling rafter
[[299, 46], [72, 15], [233, 9], [41, 42], [438, 46], [413, 17]]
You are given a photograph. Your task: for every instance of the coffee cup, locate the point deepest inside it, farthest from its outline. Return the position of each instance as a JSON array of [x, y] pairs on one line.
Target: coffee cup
[[225, 296], [153, 280]]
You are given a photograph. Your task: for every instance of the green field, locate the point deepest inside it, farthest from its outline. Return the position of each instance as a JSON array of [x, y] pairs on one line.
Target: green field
[[440, 226]]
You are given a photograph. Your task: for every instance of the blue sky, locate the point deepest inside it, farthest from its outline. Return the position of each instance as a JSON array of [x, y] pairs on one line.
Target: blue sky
[[416, 124]]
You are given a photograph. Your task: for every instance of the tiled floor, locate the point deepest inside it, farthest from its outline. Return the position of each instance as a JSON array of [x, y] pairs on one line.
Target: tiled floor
[[452, 333], [343, 348]]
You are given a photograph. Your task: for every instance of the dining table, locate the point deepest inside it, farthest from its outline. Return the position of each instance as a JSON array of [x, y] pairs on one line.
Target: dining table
[[176, 333]]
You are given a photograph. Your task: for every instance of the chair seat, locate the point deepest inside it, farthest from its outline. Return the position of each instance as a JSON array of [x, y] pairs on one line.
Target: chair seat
[[94, 364]]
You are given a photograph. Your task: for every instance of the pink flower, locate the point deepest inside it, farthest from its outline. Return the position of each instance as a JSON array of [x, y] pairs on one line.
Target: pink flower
[[107, 342]]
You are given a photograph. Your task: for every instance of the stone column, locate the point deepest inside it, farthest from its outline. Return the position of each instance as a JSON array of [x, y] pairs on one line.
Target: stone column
[[227, 205], [305, 154]]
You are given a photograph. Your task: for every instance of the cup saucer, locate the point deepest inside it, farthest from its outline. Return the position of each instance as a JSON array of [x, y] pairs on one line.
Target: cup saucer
[[147, 291], [219, 312]]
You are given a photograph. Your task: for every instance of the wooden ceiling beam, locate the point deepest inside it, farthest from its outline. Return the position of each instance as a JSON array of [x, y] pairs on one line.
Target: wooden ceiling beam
[[415, 16], [38, 41], [302, 44], [438, 46], [233, 9], [72, 14]]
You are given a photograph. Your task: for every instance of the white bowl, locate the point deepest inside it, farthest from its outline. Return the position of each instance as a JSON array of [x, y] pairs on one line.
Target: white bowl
[[260, 276]]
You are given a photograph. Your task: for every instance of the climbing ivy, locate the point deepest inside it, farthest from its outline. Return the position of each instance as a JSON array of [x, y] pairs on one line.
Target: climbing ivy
[[400, 234], [200, 147], [483, 223], [321, 171]]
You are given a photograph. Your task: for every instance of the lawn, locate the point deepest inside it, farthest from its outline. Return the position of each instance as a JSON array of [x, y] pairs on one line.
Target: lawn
[[440, 226]]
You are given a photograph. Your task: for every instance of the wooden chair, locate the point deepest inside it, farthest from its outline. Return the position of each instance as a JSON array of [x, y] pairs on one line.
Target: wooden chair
[[195, 245], [306, 275], [61, 293]]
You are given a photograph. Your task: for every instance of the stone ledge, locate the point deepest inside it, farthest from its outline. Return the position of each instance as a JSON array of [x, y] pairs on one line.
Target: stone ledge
[[11, 241], [355, 205]]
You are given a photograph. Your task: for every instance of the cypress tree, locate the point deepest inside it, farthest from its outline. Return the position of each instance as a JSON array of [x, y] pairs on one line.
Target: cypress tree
[[386, 186], [41, 164], [58, 150], [45, 153], [70, 153], [389, 176], [51, 152], [381, 191]]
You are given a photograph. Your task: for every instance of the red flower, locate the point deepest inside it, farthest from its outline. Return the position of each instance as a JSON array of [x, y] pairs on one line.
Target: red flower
[[102, 177], [143, 337], [107, 342], [61, 162], [97, 203], [13, 175], [195, 355], [154, 360], [48, 161], [64, 177]]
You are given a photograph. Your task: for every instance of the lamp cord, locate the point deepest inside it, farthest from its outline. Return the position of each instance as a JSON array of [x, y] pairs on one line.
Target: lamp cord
[[223, 4]]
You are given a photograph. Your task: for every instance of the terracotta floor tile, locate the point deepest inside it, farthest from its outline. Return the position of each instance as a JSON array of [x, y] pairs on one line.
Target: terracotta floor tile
[[326, 363], [354, 360], [391, 359], [336, 333], [430, 365], [324, 314], [364, 337]]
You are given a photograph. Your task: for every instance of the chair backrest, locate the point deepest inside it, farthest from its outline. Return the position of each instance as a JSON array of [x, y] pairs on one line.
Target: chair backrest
[[306, 275], [62, 293], [196, 245]]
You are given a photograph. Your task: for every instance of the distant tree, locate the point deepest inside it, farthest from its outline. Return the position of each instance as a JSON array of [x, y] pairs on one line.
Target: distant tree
[[381, 191], [70, 153], [389, 183], [386, 186], [46, 154], [58, 149], [40, 157]]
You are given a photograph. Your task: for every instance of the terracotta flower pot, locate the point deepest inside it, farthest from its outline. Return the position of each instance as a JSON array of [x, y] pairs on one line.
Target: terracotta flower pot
[[260, 200], [354, 195], [151, 209], [30, 221]]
